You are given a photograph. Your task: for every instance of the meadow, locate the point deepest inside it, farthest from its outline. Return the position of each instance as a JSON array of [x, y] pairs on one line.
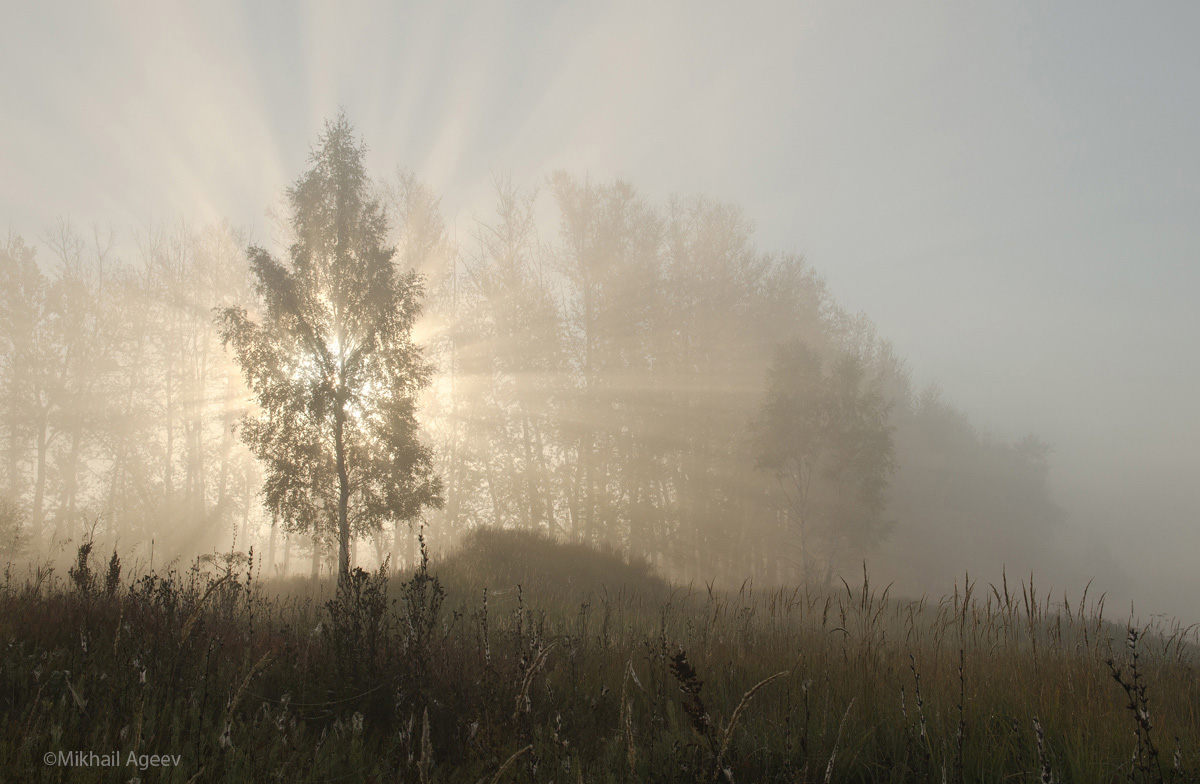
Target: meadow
[[518, 659]]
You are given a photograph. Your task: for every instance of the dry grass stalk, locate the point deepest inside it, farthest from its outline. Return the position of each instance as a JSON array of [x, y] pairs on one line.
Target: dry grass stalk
[[191, 621], [837, 743], [262, 662], [1043, 756], [523, 697], [511, 761], [736, 717], [426, 761]]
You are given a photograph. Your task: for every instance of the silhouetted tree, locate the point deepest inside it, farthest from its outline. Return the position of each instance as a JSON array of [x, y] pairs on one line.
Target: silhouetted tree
[[39, 356], [422, 242], [824, 433], [21, 287], [12, 530], [332, 363]]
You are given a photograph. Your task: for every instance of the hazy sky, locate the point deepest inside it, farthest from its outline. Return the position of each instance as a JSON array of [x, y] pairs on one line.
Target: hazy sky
[[1012, 193]]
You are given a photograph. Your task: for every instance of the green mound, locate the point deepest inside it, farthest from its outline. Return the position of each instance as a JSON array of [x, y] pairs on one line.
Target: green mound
[[501, 559]]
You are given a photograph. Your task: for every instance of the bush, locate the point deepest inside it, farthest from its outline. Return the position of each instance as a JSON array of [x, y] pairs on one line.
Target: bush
[[500, 559]]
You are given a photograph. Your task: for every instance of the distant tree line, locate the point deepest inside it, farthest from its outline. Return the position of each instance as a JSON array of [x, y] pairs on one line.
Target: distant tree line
[[621, 371], [118, 400], [604, 369]]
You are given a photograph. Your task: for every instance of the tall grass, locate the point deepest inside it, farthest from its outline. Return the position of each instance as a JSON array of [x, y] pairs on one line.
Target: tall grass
[[587, 669]]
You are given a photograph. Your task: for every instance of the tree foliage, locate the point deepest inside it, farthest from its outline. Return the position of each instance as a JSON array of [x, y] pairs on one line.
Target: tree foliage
[[824, 433], [332, 363]]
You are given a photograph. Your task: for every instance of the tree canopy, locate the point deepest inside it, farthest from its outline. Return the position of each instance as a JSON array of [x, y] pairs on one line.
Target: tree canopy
[[331, 360], [824, 433]]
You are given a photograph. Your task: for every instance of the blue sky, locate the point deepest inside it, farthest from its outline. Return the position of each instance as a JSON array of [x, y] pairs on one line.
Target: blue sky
[[1011, 192]]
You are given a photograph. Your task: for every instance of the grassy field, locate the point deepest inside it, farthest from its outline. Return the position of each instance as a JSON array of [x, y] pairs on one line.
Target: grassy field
[[520, 660]]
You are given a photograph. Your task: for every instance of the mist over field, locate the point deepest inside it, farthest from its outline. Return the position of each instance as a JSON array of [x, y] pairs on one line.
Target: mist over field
[[638, 230], [599, 393]]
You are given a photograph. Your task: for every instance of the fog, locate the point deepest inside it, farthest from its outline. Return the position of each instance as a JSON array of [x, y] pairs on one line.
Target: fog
[[1008, 195]]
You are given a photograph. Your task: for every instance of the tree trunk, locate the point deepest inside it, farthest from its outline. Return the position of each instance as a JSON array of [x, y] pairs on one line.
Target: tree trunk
[[271, 546], [14, 445], [168, 479], [396, 557], [533, 518], [287, 553], [316, 559], [246, 523], [339, 445], [120, 450], [71, 489], [39, 488]]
